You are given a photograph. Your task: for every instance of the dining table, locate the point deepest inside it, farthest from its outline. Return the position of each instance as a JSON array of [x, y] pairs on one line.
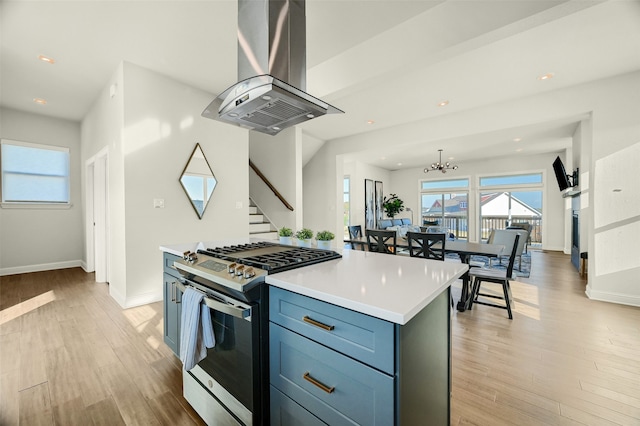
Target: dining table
[[464, 249]]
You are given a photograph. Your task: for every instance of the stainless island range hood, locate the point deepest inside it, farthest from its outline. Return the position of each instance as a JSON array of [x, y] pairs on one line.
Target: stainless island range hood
[[270, 95]]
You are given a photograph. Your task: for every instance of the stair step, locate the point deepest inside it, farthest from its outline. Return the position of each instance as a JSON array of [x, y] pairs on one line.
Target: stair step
[[256, 218], [259, 227], [253, 210], [266, 235]]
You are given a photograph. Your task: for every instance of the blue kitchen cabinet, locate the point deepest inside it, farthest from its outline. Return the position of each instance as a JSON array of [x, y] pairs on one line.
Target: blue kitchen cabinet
[[343, 367], [172, 304]]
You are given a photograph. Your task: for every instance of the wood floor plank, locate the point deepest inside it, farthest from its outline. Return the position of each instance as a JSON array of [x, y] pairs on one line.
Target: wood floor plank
[[105, 413], [169, 411], [35, 406], [9, 397], [132, 405], [72, 412]]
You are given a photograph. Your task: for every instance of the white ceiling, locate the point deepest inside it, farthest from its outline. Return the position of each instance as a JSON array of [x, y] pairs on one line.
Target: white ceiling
[[388, 61]]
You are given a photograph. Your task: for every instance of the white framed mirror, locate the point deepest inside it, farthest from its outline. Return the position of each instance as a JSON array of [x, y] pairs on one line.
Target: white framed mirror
[[198, 181]]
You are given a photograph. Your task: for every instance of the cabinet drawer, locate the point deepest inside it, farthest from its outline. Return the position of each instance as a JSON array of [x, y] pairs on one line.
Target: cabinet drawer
[[168, 264], [353, 392], [285, 412], [365, 338]]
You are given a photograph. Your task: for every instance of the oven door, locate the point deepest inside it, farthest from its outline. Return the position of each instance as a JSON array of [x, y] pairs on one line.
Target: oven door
[[230, 372]]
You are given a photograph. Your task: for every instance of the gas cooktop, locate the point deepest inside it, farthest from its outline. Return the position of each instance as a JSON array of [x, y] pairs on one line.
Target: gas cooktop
[[271, 257], [240, 269]]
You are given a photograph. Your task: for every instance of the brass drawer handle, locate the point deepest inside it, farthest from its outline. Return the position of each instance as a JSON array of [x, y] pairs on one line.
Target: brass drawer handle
[[313, 381], [317, 324]]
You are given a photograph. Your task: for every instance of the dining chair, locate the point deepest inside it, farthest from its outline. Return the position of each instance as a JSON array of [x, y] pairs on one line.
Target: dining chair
[[497, 276], [421, 244], [502, 237], [382, 241], [355, 231], [426, 245], [522, 244]]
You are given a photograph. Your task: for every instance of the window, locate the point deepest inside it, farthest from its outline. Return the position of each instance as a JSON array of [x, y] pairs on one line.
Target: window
[[445, 203], [509, 200], [33, 173], [346, 183]]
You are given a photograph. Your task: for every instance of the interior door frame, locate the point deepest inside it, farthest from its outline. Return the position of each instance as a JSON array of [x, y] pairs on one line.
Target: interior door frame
[[97, 216]]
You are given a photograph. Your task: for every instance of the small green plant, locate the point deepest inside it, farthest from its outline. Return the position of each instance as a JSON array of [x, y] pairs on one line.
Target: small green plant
[[304, 234], [285, 232], [392, 205], [325, 236]]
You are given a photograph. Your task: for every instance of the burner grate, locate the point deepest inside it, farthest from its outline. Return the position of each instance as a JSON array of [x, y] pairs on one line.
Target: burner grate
[[271, 257]]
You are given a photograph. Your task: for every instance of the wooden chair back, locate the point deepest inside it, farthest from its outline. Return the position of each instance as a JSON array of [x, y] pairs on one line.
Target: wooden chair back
[[382, 241], [429, 246]]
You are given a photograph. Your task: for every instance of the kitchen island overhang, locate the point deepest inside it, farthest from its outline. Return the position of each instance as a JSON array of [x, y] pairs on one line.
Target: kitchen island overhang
[[392, 288]]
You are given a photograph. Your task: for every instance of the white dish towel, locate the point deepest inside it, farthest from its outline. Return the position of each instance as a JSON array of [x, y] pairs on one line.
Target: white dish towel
[[196, 333]]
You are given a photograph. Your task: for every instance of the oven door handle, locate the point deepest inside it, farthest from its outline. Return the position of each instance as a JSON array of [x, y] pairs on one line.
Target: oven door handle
[[225, 308], [235, 311]]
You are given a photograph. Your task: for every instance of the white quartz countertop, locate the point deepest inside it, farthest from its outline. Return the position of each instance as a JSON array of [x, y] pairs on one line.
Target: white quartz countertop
[[392, 288]]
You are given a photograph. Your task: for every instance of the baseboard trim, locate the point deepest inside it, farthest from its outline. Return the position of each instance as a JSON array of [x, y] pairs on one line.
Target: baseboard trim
[[604, 296], [42, 267], [143, 299]]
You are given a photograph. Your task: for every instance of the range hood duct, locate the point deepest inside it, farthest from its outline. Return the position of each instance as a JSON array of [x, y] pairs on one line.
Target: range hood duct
[[270, 95]]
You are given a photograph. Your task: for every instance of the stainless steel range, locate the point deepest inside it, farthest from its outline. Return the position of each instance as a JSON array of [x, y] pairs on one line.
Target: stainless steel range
[[231, 385]]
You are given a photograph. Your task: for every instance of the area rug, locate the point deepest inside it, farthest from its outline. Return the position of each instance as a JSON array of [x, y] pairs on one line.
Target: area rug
[[518, 270]]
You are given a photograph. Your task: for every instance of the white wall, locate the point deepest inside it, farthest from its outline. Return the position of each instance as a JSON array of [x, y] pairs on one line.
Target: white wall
[[161, 124], [614, 253], [41, 239]]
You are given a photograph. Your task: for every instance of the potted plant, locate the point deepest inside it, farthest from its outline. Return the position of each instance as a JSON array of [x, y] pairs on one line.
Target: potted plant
[[285, 235], [324, 239], [304, 236], [392, 205]]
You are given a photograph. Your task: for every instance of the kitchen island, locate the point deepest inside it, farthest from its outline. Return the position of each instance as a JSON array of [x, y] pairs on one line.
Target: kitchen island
[[365, 339]]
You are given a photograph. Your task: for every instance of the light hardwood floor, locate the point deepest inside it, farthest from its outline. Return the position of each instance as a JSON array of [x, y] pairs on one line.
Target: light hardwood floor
[[69, 355]]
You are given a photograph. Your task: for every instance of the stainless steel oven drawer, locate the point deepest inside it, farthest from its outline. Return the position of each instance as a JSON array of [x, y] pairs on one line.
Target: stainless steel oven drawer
[[331, 386], [367, 339]]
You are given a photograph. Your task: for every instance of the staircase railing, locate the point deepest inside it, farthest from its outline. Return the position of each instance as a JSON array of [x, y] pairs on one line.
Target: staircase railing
[[270, 185]]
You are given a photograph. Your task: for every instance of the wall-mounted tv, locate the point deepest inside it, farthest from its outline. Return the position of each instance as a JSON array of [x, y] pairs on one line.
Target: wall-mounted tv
[[561, 174]]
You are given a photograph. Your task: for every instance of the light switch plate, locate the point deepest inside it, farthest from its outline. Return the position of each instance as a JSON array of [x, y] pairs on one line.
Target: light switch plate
[[158, 203], [238, 204]]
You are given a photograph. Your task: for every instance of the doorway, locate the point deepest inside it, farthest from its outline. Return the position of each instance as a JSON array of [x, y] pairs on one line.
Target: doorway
[[96, 222]]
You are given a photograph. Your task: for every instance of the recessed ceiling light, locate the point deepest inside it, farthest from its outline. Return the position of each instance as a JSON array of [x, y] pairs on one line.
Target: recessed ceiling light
[[383, 158], [47, 59], [370, 121], [443, 103], [519, 149], [517, 139], [40, 101], [546, 76], [399, 164]]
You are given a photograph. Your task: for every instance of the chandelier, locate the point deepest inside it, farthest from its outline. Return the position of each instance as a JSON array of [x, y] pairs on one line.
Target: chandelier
[[440, 166]]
